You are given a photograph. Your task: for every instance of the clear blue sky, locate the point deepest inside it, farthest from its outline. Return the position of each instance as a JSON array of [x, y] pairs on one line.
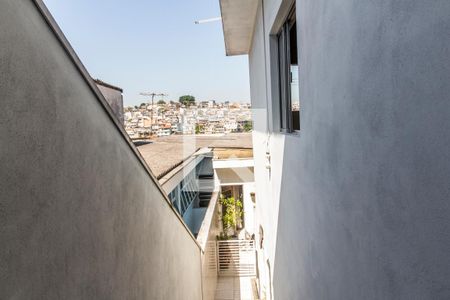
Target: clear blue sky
[[154, 45]]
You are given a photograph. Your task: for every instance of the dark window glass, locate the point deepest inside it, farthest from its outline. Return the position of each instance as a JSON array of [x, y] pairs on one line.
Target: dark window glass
[[288, 75]]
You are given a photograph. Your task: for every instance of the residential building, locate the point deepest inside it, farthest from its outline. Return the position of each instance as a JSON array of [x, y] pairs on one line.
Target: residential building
[[208, 117]]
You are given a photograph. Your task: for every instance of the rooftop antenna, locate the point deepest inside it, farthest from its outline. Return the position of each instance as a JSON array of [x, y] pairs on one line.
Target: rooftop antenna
[[208, 20], [151, 115]]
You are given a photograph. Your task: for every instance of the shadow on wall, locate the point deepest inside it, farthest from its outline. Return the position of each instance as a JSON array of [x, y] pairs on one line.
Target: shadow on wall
[[353, 229], [268, 185], [293, 233]]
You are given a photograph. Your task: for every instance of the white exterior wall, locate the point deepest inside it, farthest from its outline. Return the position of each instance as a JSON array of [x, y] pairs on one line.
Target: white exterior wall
[[249, 209], [353, 207], [267, 180]]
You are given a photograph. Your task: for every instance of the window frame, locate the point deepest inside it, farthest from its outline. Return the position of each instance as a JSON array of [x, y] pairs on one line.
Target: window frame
[[284, 75]]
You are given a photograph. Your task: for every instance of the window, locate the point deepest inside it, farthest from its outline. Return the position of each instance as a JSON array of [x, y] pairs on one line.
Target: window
[[288, 75]]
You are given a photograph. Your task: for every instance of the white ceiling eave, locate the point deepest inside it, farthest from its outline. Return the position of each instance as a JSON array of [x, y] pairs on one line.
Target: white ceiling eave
[[238, 20]]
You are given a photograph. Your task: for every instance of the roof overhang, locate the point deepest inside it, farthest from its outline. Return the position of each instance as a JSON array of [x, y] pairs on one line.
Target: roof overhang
[[235, 176], [238, 20]]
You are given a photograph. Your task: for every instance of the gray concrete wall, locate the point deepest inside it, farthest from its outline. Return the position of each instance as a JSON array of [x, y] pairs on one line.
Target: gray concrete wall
[[364, 188], [80, 216]]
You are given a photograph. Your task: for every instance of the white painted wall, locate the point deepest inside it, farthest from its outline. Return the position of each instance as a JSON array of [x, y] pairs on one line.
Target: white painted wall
[[232, 163], [354, 206], [249, 207], [263, 143]]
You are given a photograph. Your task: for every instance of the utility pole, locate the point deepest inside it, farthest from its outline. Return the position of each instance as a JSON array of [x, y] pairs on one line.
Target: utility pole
[[151, 115]]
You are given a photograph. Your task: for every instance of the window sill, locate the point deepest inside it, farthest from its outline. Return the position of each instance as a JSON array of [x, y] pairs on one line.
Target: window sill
[[295, 133]]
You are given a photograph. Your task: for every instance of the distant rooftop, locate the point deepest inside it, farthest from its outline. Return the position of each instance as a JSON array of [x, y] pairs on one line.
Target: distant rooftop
[[102, 83], [166, 153]]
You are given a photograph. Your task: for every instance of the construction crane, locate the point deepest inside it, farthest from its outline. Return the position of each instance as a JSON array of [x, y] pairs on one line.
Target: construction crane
[[146, 94]]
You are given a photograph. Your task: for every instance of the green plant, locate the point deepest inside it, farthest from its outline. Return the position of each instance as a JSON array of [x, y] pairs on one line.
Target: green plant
[[232, 212], [222, 237], [198, 128], [248, 126]]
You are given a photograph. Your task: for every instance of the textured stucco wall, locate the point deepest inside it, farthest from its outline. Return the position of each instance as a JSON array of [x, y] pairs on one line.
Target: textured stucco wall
[[267, 167], [364, 188], [80, 218]]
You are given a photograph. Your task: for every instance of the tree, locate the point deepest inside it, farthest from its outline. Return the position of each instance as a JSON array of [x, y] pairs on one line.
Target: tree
[[198, 128], [161, 102], [248, 126], [143, 105], [187, 100]]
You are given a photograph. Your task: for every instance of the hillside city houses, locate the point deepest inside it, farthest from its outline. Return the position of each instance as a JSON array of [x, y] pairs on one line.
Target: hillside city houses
[[206, 117]]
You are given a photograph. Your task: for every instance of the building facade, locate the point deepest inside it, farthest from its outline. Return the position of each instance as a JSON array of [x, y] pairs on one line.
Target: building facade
[[351, 113]]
